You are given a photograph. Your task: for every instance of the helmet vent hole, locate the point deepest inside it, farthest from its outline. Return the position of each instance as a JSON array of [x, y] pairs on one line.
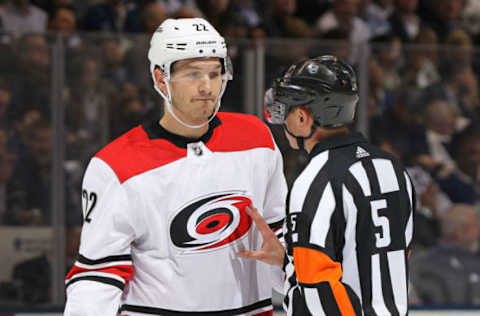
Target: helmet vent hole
[[326, 99], [201, 51], [176, 28], [214, 51]]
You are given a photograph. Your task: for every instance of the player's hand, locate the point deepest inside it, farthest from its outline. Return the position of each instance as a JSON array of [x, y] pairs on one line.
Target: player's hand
[[272, 251]]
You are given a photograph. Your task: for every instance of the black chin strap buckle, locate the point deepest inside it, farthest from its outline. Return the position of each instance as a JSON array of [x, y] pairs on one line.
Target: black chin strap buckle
[[300, 139]]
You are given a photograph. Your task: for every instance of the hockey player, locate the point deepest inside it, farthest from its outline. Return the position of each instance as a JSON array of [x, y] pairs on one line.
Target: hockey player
[[164, 204], [350, 214]]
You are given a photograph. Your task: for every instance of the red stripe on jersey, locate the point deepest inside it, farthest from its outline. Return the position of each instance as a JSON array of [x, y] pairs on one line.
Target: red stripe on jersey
[[134, 152], [240, 132], [123, 271], [267, 313]]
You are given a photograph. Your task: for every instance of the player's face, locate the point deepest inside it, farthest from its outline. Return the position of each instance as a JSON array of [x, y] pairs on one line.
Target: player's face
[[195, 86]]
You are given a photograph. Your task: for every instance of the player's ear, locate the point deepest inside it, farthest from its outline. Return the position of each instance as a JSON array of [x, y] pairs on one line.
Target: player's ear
[[159, 79]]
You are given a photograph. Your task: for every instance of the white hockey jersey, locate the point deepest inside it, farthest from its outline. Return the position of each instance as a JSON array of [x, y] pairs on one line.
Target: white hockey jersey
[[164, 219]]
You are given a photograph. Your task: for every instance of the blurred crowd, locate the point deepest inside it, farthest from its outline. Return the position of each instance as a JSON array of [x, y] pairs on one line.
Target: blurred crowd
[[423, 103]]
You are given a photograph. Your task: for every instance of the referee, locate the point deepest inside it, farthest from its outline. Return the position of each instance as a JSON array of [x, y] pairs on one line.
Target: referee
[[350, 218]]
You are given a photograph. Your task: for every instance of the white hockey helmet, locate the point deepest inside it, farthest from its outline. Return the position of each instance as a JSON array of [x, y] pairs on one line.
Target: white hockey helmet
[[179, 39]]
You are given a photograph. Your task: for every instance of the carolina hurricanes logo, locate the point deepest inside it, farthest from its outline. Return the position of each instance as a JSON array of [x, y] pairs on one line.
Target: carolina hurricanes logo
[[211, 222]]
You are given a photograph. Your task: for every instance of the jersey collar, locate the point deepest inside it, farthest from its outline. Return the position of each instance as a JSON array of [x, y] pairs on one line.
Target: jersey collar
[[156, 131], [337, 141]]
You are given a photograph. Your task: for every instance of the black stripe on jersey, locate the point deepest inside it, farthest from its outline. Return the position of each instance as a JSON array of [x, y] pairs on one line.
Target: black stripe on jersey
[[100, 279], [364, 234], [167, 312], [335, 238], [387, 285], [277, 228], [315, 192], [277, 224], [372, 177], [397, 230], [85, 260], [354, 299], [327, 298], [299, 305]]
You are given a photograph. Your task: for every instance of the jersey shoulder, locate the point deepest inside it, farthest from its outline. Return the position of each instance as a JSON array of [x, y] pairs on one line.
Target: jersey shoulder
[[243, 132], [134, 153], [342, 159]]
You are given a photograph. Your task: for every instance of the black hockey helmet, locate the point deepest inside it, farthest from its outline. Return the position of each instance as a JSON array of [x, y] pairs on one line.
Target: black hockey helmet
[[325, 85]]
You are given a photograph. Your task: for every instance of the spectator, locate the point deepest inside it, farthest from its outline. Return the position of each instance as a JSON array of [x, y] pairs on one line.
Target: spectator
[[450, 180], [50, 6], [32, 179], [404, 22], [376, 15], [468, 157], [20, 16], [443, 16], [87, 108], [64, 20], [471, 17], [7, 164], [459, 48], [448, 274], [344, 14], [130, 111], [280, 21], [32, 74], [309, 11], [382, 98], [109, 16], [113, 62], [7, 110], [216, 12], [459, 88], [388, 52], [397, 124], [146, 17], [439, 119], [421, 60], [152, 16], [249, 10], [432, 202], [177, 8]]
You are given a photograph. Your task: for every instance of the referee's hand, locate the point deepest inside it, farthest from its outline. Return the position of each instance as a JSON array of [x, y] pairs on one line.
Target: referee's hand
[[272, 251]]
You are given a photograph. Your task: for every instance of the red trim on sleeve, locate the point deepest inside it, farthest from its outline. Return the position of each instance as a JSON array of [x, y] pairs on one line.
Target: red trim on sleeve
[[123, 271]]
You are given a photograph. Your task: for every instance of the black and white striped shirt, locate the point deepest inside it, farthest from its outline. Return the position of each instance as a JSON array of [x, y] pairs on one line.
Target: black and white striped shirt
[[348, 232]]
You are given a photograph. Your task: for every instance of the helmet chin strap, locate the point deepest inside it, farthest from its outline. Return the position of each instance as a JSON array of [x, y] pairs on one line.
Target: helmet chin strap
[[301, 139], [168, 101]]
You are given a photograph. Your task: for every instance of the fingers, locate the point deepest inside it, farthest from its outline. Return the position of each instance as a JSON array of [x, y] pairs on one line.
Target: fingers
[[249, 254], [260, 222]]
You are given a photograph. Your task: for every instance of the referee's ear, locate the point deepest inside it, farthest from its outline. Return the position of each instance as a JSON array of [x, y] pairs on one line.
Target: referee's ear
[[304, 120]]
